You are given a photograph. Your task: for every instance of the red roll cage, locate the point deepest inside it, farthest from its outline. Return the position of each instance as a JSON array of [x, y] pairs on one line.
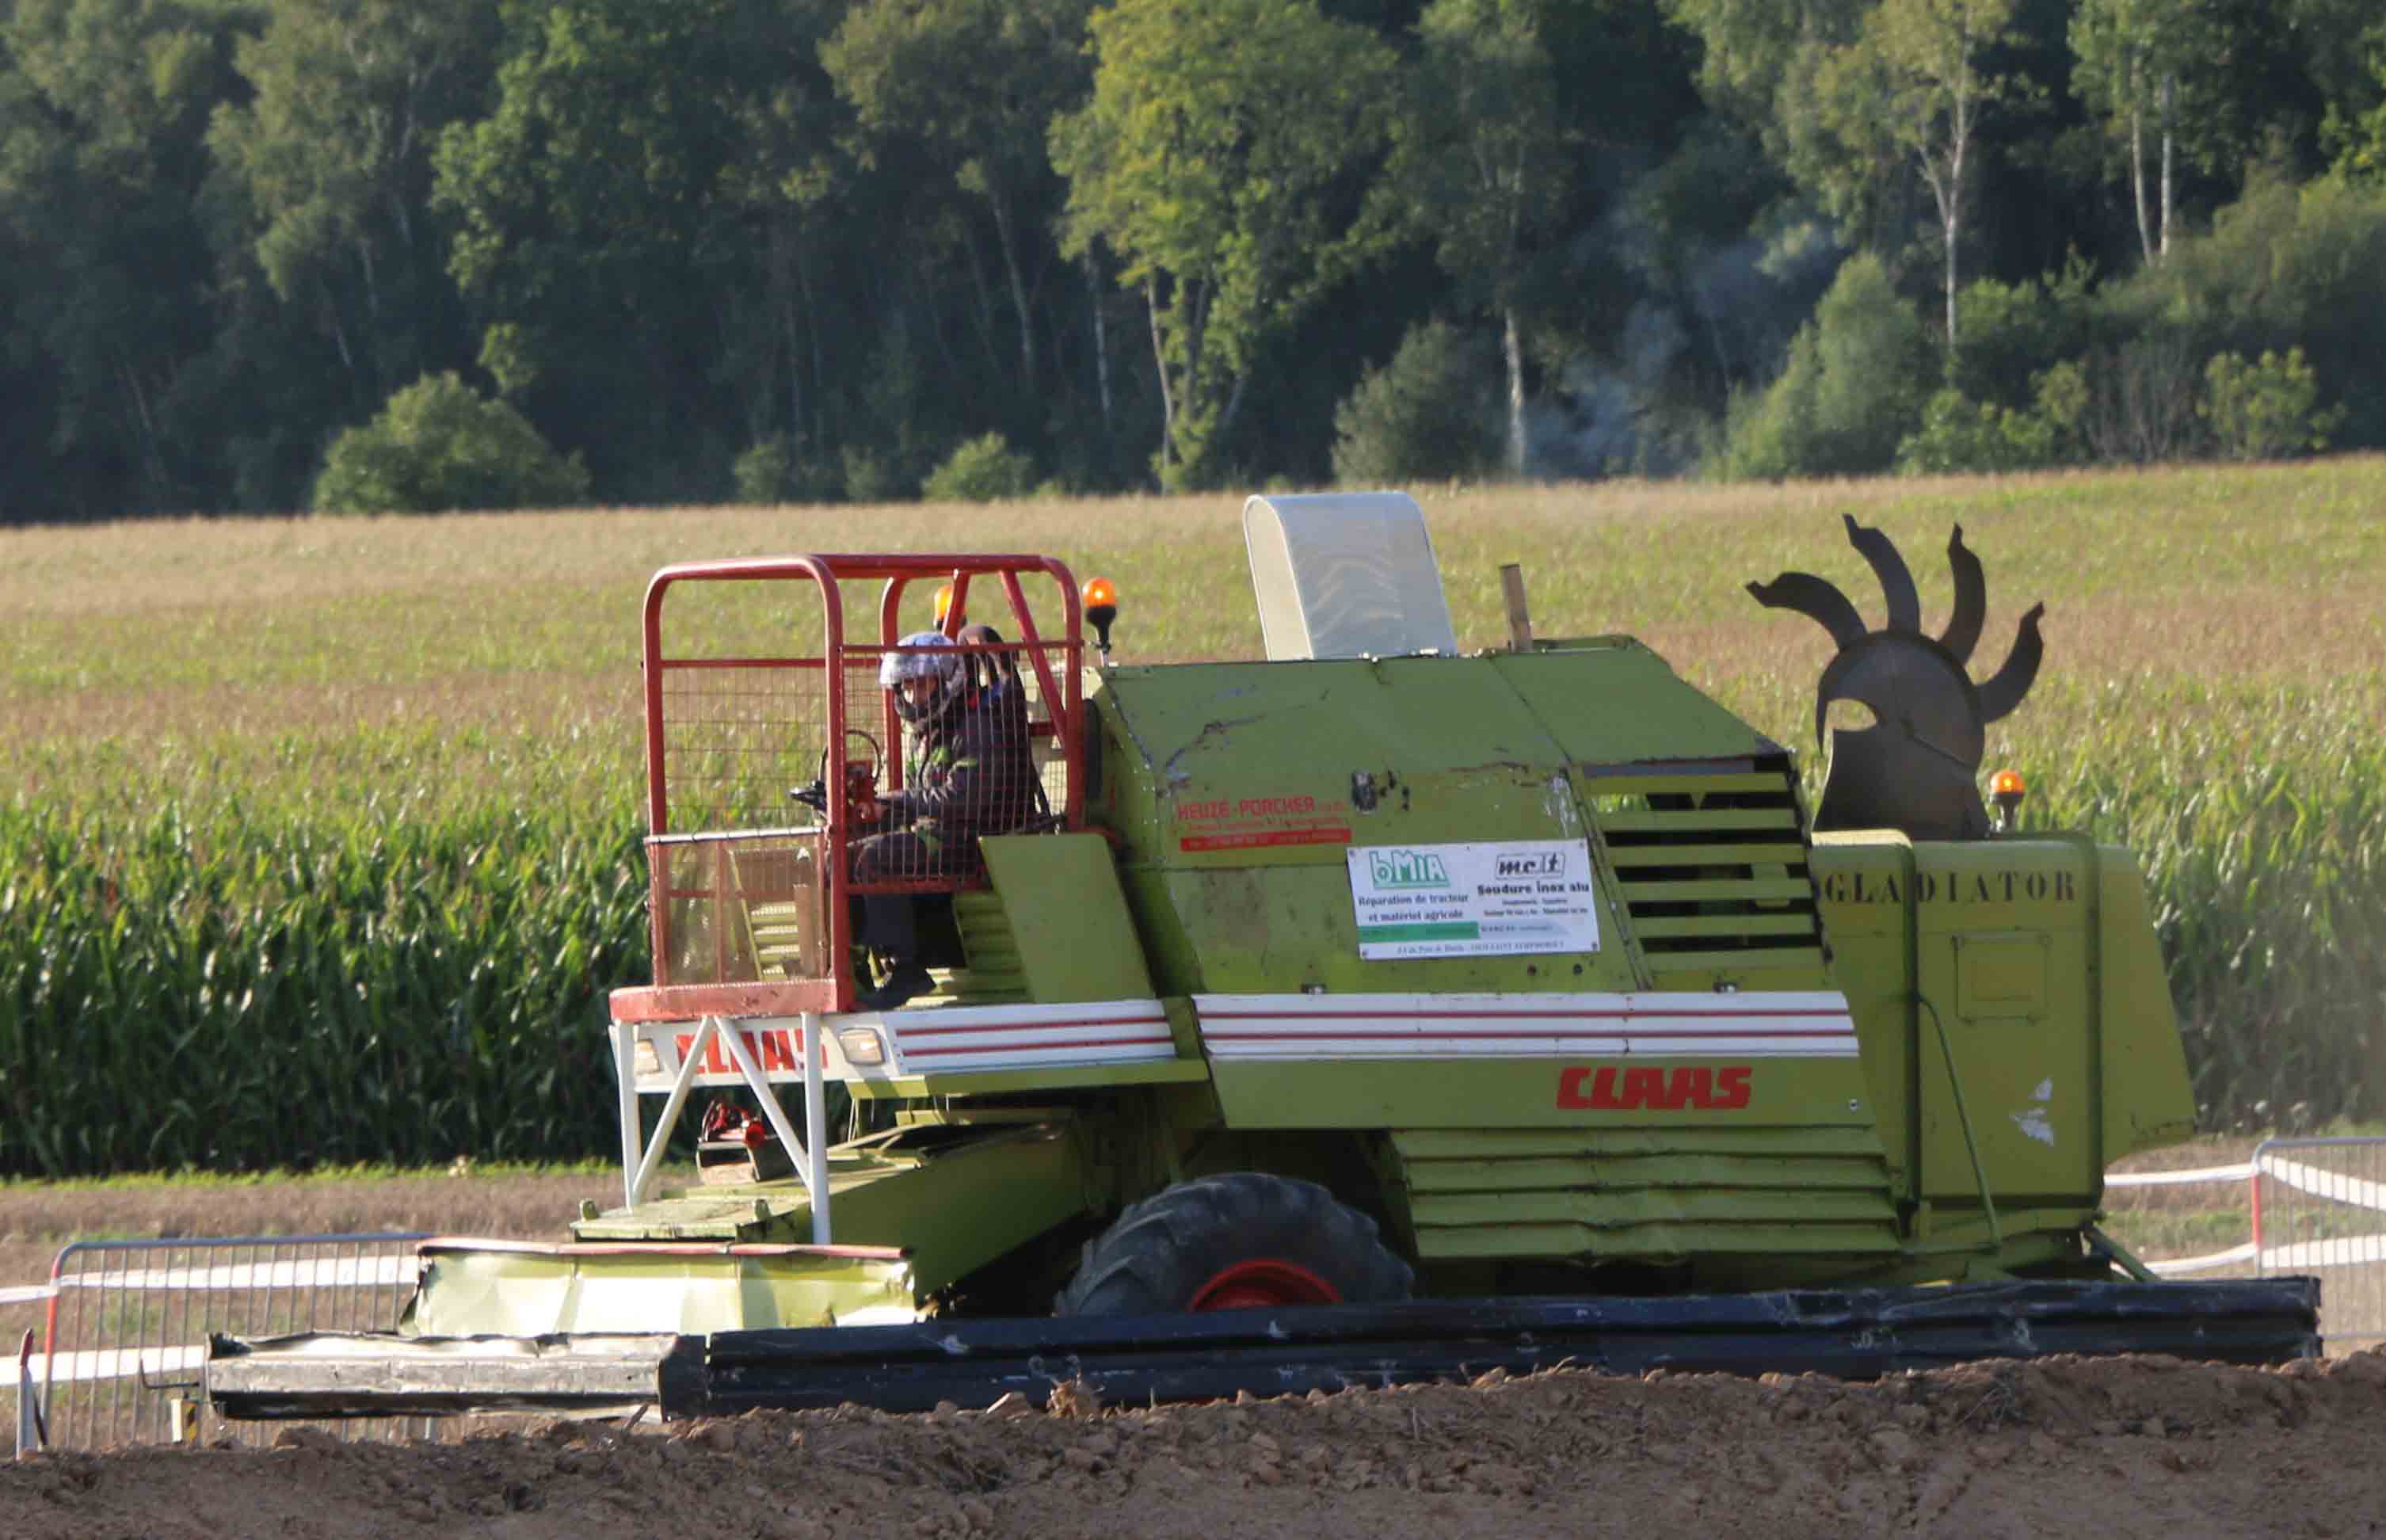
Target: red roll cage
[[726, 732]]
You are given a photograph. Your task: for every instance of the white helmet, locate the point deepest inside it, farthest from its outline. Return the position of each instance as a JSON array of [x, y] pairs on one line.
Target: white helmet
[[943, 664]]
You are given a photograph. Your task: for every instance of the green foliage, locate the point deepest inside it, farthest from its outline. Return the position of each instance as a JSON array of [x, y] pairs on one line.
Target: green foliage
[[1849, 394], [203, 986], [440, 445], [1960, 436], [2010, 333], [1423, 417], [896, 62], [2268, 879], [2285, 266], [1208, 163], [2155, 72], [772, 469], [668, 233], [762, 471], [1911, 89], [2357, 138], [1480, 166], [630, 213], [985, 469], [2265, 410]]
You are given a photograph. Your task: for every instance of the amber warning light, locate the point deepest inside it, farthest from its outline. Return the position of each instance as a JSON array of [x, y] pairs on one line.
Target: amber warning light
[[944, 607], [2006, 790], [1102, 608]]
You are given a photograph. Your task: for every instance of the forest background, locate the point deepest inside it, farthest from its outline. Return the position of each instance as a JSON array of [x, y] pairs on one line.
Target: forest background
[[524, 251]]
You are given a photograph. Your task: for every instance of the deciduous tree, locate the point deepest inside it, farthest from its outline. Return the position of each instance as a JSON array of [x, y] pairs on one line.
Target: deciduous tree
[[1219, 160], [1481, 163], [1912, 90], [978, 82], [332, 159]]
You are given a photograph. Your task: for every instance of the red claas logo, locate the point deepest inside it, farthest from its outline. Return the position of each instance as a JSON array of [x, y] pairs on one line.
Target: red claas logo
[[1607, 1088]]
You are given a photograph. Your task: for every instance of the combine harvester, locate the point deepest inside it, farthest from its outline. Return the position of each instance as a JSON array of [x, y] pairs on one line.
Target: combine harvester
[[1381, 1011]]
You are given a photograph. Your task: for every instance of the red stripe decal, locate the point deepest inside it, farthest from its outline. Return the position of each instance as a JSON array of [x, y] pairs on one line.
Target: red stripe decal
[[991, 1050], [905, 1033], [1446, 1036], [1653, 1013]]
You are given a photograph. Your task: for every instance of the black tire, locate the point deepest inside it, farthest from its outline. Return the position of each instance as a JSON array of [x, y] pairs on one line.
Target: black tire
[[1163, 1253]]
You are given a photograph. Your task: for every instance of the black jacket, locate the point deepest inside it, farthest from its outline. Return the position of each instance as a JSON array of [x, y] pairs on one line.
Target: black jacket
[[969, 770]]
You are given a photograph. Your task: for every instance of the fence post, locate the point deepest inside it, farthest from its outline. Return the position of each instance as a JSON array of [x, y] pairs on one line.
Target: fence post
[[29, 1410], [2261, 1267]]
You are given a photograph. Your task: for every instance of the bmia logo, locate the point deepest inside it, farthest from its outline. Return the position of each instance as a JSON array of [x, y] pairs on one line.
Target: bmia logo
[[1407, 869], [1548, 863]]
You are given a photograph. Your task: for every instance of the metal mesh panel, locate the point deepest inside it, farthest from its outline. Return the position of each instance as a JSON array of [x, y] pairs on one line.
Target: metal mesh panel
[[768, 819], [738, 736], [127, 1337], [2319, 1208], [741, 909]]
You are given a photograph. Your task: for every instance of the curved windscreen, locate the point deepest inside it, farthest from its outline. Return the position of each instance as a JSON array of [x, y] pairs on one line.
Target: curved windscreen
[[1346, 575]]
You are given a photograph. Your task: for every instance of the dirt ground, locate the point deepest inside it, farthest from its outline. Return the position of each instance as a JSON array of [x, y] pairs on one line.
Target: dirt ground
[[2116, 1450]]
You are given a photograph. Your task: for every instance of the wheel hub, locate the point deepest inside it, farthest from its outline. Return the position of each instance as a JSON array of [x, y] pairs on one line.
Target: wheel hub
[[1264, 1284]]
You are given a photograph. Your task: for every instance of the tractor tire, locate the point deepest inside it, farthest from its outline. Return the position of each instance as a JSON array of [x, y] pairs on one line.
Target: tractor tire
[[1244, 1240]]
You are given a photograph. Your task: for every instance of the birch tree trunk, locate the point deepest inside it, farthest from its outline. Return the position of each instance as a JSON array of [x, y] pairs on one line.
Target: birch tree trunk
[[1512, 348], [1018, 293], [1101, 341], [2138, 183], [2169, 98], [1159, 362]]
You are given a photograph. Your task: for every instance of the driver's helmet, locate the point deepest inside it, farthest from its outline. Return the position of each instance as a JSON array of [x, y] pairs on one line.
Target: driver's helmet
[[939, 661]]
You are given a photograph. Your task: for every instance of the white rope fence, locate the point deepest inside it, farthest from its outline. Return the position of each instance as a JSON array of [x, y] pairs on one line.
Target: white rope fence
[[110, 1363], [2335, 1187]]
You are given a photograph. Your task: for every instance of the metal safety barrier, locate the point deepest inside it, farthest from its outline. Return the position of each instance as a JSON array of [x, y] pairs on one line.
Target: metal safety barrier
[[2319, 1207], [126, 1326]]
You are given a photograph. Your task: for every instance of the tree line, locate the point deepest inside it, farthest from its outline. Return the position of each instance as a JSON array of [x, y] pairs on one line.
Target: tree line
[[259, 254]]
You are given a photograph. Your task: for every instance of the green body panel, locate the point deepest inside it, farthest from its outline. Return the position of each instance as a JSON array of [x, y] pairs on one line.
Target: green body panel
[[1705, 1185], [1067, 918], [524, 1292], [1520, 1094], [1236, 790], [2010, 1000], [1232, 787], [951, 1198], [993, 975]]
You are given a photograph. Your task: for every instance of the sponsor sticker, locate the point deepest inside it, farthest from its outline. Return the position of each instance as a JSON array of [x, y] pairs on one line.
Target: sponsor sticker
[[1504, 899], [1261, 822]]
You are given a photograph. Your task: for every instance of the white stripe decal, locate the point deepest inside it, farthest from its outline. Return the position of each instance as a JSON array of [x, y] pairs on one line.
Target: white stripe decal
[[1322, 1027], [938, 1038], [1027, 1037]]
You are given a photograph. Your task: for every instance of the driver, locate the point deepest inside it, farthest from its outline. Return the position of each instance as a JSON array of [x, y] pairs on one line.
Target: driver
[[968, 773]]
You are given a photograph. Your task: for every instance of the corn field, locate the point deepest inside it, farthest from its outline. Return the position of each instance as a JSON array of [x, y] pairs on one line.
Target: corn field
[[207, 987], [344, 874]]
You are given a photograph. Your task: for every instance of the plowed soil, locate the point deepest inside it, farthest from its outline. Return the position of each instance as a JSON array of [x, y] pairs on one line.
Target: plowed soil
[[2109, 1449]]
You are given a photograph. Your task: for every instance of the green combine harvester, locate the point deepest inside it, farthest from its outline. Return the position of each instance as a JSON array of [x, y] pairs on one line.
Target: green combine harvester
[[1380, 1011]]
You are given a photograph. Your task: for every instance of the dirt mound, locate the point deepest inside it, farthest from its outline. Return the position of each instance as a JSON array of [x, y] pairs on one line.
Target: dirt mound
[[2110, 1448]]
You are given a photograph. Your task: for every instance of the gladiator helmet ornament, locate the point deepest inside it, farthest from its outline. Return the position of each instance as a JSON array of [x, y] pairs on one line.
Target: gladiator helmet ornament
[[1916, 768]]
